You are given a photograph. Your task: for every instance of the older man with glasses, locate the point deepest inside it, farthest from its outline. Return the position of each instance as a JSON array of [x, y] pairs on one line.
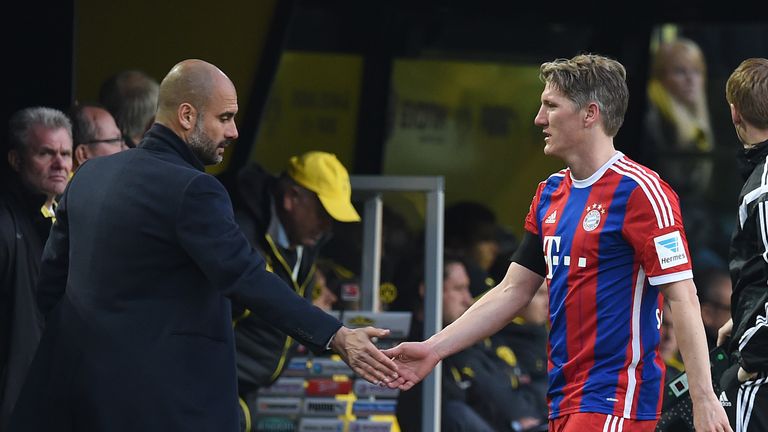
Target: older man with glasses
[[94, 133]]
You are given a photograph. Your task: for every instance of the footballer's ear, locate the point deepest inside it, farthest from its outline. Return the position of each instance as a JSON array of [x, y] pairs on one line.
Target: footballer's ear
[[591, 115]]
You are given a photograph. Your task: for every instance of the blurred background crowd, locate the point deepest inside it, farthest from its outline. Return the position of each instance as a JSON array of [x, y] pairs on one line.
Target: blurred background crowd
[[437, 91]]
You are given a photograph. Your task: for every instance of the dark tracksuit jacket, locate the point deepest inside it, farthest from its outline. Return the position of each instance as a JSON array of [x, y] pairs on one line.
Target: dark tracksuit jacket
[[749, 264], [747, 403]]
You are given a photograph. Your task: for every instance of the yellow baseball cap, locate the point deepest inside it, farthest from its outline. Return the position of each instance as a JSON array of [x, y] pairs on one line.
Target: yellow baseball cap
[[323, 174]]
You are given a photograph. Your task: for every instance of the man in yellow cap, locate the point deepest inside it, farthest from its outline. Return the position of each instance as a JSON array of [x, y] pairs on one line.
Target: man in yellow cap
[[286, 217]]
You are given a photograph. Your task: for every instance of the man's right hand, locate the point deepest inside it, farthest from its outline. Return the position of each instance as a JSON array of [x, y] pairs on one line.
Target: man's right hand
[[415, 360]]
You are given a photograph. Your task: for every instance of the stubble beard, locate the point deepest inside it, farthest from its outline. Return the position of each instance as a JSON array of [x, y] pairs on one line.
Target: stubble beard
[[203, 146]]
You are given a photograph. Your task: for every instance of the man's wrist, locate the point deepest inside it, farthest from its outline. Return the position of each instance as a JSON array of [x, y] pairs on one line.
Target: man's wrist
[[701, 392], [336, 339]]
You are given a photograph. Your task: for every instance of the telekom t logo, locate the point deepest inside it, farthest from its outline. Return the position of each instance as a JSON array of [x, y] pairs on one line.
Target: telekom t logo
[[549, 243], [552, 256]]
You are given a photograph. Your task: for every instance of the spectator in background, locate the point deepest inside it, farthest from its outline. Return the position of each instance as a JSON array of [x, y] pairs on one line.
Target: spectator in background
[[715, 298], [526, 337], [94, 133], [471, 232], [678, 137], [131, 97], [325, 294], [344, 286], [40, 156], [673, 417], [399, 250], [668, 348], [507, 242], [287, 218], [678, 130], [483, 387]]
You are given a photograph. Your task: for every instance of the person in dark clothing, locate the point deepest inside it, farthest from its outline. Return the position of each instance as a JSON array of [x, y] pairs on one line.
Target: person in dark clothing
[[745, 397], [325, 289], [287, 218], [137, 277], [131, 97], [399, 250], [715, 294], [41, 161], [677, 126], [471, 232], [481, 385], [522, 345], [457, 415], [94, 133]]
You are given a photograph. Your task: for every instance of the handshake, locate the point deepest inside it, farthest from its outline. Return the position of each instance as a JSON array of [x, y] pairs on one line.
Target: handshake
[[399, 367]]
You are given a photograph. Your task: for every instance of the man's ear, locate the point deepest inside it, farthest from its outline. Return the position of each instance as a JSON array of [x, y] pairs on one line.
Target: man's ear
[[591, 114], [735, 115], [81, 154], [187, 115], [290, 197], [14, 160]]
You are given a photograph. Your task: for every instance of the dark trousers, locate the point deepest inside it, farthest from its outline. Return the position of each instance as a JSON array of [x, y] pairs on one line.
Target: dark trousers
[[747, 405]]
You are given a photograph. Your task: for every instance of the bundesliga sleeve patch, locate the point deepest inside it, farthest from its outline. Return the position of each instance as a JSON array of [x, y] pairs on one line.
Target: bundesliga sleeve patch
[[670, 250]]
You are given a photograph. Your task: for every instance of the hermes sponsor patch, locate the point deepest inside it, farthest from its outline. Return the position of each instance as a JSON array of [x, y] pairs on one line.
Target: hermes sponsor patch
[[670, 250]]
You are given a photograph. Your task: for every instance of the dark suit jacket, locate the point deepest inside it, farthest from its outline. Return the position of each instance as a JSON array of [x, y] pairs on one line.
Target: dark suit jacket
[[141, 338]]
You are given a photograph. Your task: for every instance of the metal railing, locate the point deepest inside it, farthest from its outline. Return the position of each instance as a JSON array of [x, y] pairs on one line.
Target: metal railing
[[369, 189]]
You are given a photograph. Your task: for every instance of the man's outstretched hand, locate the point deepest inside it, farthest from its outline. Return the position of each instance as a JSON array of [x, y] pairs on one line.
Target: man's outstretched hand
[[358, 351], [415, 360]]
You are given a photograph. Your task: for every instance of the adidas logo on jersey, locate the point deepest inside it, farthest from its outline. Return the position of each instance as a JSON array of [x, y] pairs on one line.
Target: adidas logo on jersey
[[552, 218], [724, 400]]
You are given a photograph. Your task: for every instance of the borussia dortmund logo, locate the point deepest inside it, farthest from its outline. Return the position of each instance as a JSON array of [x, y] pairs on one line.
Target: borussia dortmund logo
[[388, 292]]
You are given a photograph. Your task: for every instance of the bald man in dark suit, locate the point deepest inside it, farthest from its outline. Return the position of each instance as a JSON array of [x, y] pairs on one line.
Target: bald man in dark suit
[[137, 278]]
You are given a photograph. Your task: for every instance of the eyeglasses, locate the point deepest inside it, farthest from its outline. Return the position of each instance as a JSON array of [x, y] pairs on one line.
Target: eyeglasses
[[117, 140]]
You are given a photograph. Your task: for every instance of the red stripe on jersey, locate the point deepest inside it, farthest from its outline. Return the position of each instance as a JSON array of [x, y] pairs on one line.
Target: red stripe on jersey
[[649, 182]]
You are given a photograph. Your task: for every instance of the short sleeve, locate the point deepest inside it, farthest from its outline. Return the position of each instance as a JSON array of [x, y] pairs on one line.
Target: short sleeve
[[531, 222], [654, 228]]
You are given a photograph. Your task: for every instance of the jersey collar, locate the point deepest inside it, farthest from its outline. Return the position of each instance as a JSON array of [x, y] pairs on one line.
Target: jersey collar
[[589, 181]]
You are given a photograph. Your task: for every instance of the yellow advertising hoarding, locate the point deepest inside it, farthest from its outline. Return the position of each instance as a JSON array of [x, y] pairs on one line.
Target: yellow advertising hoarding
[[312, 105], [473, 124]]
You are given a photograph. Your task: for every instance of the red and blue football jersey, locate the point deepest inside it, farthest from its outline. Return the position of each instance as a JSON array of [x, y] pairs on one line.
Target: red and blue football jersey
[[609, 241]]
